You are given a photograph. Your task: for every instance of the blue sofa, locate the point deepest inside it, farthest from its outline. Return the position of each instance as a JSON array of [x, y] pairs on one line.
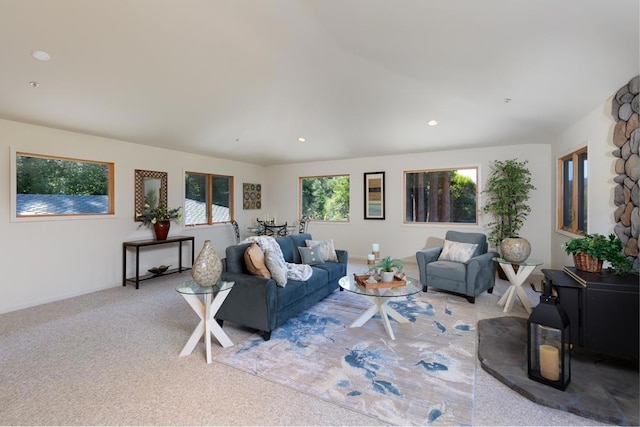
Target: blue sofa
[[261, 304]]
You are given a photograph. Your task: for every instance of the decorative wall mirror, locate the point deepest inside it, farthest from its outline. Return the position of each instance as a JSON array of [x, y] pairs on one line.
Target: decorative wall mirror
[[151, 188]]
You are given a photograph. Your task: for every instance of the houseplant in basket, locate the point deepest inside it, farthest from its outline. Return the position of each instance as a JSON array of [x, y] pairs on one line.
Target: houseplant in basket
[[590, 250], [388, 267], [159, 217]]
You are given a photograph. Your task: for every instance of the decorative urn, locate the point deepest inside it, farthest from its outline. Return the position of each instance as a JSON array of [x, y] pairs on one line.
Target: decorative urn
[[207, 268], [515, 249]]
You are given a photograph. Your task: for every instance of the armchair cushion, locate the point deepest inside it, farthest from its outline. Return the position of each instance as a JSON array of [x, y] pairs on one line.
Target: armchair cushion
[[457, 251]]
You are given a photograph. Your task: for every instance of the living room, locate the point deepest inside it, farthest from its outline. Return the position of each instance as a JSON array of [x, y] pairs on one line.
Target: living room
[[54, 258]]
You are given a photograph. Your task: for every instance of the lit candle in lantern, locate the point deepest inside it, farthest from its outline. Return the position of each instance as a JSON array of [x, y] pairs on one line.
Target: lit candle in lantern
[[550, 362]]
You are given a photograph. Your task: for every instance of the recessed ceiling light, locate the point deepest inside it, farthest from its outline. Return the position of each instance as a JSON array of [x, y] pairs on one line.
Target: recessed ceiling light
[[34, 84], [40, 55], [432, 122], [301, 139]]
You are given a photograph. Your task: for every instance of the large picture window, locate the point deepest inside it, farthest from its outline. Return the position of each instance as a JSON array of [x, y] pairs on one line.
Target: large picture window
[[208, 199], [441, 196], [58, 186], [572, 192], [325, 198]]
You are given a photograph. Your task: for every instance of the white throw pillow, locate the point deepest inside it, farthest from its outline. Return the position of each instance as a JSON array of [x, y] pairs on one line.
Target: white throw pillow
[[327, 250], [457, 251], [277, 266]]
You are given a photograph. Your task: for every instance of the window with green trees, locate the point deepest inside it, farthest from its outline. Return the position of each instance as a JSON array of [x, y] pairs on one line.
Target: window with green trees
[[208, 198], [58, 186], [325, 198], [448, 195]]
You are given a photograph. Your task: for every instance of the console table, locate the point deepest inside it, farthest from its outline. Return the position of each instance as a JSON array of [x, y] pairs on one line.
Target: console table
[[602, 309], [137, 244]]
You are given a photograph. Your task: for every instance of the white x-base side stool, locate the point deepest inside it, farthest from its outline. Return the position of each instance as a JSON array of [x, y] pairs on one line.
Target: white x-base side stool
[[213, 297], [516, 280]]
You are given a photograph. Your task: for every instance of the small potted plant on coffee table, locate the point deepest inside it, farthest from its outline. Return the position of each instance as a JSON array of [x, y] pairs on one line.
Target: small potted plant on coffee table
[[590, 250], [388, 267]]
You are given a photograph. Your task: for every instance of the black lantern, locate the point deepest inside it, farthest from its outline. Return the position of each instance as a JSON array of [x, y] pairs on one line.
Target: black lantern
[[549, 343]]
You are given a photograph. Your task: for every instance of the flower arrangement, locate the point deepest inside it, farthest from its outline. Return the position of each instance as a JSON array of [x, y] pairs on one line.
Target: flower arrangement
[[151, 215]]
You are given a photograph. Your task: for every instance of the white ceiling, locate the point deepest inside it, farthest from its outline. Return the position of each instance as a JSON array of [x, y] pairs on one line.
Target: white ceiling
[[243, 79]]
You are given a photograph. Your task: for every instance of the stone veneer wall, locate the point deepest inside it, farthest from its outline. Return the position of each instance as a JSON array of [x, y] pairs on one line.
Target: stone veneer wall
[[626, 136]]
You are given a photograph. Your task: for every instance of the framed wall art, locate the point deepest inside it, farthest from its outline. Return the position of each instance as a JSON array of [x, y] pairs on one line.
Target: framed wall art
[[251, 196], [374, 195]]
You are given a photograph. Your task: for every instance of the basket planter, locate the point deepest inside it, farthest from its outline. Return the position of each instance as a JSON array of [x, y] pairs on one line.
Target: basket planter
[[584, 262]]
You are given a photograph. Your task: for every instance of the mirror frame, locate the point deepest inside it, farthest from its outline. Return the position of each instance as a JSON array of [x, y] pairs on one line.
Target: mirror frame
[[140, 175]]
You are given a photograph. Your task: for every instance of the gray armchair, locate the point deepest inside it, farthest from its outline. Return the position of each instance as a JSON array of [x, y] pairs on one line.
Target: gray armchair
[[470, 278]]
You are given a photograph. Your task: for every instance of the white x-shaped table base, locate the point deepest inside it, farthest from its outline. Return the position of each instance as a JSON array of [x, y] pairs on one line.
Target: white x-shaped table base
[[208, 325], [516, 280], [380, 305]]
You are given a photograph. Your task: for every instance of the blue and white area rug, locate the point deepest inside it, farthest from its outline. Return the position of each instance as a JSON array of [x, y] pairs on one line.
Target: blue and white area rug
[[423, 377]]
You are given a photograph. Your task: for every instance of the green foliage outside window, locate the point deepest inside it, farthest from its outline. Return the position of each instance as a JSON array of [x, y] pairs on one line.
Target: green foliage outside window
[[441, 196], [40, 175], [53, 186], [325, 198]]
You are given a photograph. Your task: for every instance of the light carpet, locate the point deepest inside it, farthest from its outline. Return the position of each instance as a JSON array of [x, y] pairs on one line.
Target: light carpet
[[423, 377]]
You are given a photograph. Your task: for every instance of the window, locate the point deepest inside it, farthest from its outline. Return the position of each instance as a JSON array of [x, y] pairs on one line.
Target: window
[[448, 195], [57, 186], [325, 198], [208, 198], [572, 192]]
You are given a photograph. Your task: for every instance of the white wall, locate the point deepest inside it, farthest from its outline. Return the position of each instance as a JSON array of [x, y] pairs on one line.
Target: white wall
[[47, 260], [402, 240], [595, 130]]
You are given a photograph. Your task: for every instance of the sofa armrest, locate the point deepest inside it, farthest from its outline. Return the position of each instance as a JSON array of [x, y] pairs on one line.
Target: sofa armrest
[[343, 256], [424, 257], [481, 272], [251, 301]]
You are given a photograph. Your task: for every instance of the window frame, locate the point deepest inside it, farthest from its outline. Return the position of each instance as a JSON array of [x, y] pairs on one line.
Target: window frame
[[14, 217], [438, 223], [576, 195], [209, 201], [300, 207]]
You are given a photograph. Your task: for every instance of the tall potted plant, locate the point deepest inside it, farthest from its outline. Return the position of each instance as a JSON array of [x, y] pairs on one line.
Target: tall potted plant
[[508, 190]]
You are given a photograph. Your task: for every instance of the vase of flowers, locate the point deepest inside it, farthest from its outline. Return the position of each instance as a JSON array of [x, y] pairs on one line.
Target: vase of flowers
[[160, 218]]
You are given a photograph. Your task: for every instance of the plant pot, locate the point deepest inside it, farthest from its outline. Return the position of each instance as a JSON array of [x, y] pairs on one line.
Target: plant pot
[[161, 228], [515, 249], [387, 276], [584, 262], [502, 274]]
